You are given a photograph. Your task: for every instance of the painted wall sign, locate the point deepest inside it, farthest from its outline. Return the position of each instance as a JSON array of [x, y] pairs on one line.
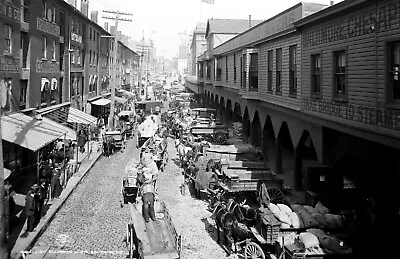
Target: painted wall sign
[[76, 37], [48, 27], [9, 65], [10, 11], [381, 117], [43, 66], [384, 18]]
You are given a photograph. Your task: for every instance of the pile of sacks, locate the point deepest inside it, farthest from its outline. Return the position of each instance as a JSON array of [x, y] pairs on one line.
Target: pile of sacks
[[303, 216], [316, 241], [237, 130]]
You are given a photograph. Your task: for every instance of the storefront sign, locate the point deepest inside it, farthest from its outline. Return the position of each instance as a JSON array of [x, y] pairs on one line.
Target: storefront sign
[[43, 66], [48, 27], [381, 117], [9, 65], [76, 37], [384, 18], [10, 11]]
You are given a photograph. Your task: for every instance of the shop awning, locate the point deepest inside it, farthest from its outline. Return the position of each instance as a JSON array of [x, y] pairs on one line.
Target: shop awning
[[77, 116], [126, 113], [101, 102], [32, 133], [120, 100]]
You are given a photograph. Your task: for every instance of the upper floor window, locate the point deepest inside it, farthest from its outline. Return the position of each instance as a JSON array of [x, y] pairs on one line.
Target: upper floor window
[[90, 57], [394, 70], [44, 47], [53, 49], [53, 14], [90, 33], [78, 28], [78, 56], [339, 82], [244, 71], [253, 72], [7, 39], [226, 68], [234, 67], [270, 69], [278, 89], [73, 56], [219, 69], [72, 25], [292, 71], [44, 9], [316, 74]]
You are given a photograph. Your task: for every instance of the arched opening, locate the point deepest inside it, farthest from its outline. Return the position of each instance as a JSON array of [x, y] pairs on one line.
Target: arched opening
[[286, 146], [246, 127], [237, 113], [229, 112], [268, 143], [222, 111], [255, 127]]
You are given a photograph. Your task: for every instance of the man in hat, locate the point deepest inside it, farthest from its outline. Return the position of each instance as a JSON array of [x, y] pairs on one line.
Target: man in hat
[[148, 196], [30, 208]]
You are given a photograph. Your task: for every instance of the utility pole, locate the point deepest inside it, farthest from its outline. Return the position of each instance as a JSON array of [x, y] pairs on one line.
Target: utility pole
[[117, 18]]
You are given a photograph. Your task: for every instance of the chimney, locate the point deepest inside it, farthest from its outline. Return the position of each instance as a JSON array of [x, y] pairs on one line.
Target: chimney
[[106, 26], [85, 7], [249, 21], [94, 16], [72, 2], [332, 3]]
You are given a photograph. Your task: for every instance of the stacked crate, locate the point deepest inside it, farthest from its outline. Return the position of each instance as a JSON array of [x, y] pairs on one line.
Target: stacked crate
[[238, 130], [268, 226]]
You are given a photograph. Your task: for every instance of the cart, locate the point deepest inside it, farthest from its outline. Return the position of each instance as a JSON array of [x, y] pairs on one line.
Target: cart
[[216, 134], [128, 118], [119, 138], [129, 190], [155, 239]]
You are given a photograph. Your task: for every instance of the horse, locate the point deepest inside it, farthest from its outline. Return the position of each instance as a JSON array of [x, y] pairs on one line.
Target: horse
[[226, 221], [242, 212], [108, 146]]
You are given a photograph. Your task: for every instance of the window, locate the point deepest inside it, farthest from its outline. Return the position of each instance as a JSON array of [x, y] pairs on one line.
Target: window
[[90, 57], [340, 74], [394, 67], [316, 74], [44, 9], [72, 25], [44, 48], [22, 91], [78, 28], [278, 89], [219, 70], [90, 33], [270, 65], [53, 13], [234, 68], [241, 68], [244, 71], [226, 69], [292, 71], [78, 56], [7, 39], [253, 73], [6, 84], [73, 56], [94, 35], [53, 49], [98, 36]]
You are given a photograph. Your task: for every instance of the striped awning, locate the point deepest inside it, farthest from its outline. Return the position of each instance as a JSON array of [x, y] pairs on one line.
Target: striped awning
[[78, 116]]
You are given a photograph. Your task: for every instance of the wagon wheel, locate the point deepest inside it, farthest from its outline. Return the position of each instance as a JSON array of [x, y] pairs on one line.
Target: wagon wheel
[[253, 251], [219, 137], [275, 195]]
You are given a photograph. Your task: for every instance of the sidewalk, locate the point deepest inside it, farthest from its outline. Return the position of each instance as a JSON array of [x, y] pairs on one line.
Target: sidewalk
[[19, 239]]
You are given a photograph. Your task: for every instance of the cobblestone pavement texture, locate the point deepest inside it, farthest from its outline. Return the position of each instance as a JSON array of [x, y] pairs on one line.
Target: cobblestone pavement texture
[[91, 224]]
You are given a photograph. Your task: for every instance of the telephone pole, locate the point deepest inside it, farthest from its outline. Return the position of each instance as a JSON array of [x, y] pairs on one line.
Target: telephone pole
[[117, 18]]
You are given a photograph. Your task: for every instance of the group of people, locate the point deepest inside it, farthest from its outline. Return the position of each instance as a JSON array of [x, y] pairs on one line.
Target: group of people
[[54, 173]]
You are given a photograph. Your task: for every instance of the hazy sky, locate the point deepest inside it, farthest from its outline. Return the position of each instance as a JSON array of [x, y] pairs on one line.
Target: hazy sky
[[163, 20]]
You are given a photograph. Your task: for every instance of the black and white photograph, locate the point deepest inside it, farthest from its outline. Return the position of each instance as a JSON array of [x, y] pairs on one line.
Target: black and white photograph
[[199, 129]]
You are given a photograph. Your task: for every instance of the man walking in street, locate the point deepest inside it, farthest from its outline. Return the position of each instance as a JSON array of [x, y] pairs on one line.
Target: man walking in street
[[30, 208], [55, 181]]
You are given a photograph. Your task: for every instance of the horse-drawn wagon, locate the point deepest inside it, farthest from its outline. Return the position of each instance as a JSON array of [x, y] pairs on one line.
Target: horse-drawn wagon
[[114, 140], [128, 121], [155, 239]]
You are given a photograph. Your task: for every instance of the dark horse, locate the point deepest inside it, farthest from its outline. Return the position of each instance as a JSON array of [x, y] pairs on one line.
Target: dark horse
[[243, 213], [226, 221]]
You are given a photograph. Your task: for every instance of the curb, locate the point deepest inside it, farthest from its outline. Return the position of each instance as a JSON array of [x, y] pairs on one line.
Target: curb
[[46, 223]]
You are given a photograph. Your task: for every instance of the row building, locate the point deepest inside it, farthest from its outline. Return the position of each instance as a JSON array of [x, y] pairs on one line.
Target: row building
[[53, 53], [316, 88]]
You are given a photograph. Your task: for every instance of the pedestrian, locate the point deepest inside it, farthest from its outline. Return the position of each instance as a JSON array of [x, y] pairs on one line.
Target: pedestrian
[[30, 208], [55, 181], [39, 201], [148, 197]]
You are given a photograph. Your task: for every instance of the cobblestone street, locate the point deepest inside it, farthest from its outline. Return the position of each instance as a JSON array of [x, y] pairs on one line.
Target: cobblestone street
[[91, 223]]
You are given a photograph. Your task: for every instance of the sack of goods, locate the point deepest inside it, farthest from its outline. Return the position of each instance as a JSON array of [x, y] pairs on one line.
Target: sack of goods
[[237, 130]]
